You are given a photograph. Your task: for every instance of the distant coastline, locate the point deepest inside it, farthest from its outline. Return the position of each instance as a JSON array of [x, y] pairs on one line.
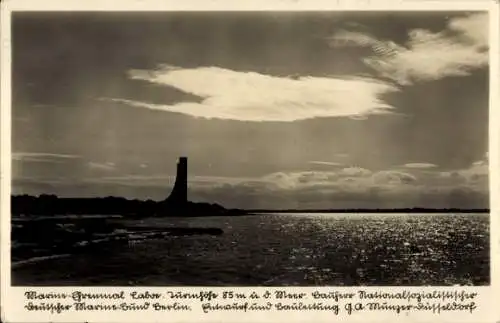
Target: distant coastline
[[363, 210]]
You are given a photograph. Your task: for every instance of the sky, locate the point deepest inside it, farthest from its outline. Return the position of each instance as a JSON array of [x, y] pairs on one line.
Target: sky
[[273, 109]]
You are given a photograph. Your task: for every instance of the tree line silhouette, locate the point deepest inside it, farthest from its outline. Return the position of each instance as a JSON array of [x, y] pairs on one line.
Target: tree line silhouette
[[48, 204]]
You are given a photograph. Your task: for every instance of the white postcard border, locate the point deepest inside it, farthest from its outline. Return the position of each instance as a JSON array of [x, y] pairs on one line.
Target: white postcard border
[[13, 298]]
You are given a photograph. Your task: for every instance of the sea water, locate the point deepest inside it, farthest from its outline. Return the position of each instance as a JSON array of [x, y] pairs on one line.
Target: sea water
[[286, 250]]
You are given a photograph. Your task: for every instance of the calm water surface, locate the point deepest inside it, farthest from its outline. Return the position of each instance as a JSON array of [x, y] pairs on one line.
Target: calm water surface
[[288, 249]]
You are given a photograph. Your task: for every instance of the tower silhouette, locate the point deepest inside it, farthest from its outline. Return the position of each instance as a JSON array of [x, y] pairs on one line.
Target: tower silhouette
[[178, 196]]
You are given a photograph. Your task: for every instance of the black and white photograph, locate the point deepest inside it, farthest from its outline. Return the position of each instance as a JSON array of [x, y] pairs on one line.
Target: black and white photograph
[[250, 148]]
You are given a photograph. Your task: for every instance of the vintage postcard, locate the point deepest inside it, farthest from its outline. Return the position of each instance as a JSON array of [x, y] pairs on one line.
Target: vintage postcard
[[258, 161]]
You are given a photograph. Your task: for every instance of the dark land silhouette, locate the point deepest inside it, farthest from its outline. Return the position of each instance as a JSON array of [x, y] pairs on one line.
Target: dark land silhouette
[[26, 205]]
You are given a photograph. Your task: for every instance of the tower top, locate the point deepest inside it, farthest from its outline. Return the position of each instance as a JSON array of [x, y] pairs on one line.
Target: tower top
[[183, 161]]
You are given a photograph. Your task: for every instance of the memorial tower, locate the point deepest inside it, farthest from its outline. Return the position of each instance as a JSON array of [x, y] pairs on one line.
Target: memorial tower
[[179, 192]]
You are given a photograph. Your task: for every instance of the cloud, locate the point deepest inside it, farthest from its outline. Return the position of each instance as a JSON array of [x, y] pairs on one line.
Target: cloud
[[250, 96], [102, 166], [347, 179], [356, 171], [420, 165], [338, 189], [455, 51], [166, 180], [393, 177], [133, 180], [477, 171], [476, 176], [326, 163], [474, 27], [41, 157], [350, 187]]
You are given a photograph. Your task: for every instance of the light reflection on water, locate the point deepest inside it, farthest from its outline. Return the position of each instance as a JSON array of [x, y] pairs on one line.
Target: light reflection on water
[[290, 249]]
